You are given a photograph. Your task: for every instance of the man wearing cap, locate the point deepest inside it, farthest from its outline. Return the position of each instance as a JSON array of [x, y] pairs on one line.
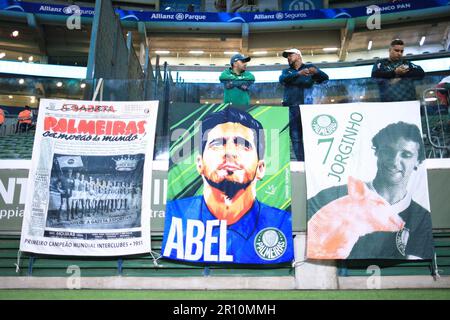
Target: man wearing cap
[[295, 79], [237, 80]]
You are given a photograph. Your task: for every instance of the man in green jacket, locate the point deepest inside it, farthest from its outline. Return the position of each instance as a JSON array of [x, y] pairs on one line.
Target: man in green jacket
[[237, 80]]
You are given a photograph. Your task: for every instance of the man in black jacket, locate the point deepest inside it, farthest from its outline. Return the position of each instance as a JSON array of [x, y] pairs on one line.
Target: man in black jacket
[[396, 75], [295, 79]]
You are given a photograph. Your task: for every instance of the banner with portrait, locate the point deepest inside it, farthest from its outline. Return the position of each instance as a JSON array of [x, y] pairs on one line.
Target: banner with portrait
[[367, 185], [91, 166], [229, 191]]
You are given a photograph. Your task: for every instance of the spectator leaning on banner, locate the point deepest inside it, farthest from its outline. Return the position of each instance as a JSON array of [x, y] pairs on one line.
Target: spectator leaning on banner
[[237, 80], [395, 75], [24, 120], [295, 79]]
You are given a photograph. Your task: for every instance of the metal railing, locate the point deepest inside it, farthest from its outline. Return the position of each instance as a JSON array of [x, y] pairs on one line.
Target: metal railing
[[434, 109], [436, 102]]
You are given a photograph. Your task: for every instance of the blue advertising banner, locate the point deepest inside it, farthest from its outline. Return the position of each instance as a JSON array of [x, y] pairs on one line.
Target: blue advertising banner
[[245, 17]]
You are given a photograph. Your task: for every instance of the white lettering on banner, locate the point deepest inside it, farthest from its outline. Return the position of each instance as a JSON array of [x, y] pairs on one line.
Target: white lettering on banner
[[162, 16], [264, 16], [49, 9], [156, 184], [176, 230], [210, 239], [203, 240], [223, 256], [294, 15], [159, 198], [8, 214], [7, 194], [188, 16], [194, 227]]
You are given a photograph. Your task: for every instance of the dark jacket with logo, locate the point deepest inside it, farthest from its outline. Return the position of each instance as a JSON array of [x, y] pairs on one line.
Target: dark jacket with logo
[[400, 89], [294, 84]]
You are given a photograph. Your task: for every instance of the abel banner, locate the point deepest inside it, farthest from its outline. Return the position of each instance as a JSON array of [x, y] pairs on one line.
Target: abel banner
[[229, 190], [91, 164], [366, 181]]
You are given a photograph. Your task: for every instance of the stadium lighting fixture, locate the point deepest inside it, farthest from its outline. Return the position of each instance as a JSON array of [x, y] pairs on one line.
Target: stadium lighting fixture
[[369, 46], [196, 52], [21, 81], [162, 51], [83, 85], [59, 84], [15, 33], [330, 49], [259, 53], [230, 52], [2, 55]]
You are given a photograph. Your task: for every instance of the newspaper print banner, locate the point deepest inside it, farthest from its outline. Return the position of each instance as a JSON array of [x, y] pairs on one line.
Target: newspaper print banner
[[367, 186], [91, 164], [229, 193]]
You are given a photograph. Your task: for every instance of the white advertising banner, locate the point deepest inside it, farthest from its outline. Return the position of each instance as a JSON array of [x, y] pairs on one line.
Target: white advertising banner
[[91, 166], [367, 186]]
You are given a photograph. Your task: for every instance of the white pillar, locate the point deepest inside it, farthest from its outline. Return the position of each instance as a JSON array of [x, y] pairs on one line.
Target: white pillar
[[313, 274]]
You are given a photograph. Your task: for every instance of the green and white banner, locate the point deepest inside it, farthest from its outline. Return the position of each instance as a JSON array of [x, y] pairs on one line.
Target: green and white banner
[[229, 188], [367, 186]]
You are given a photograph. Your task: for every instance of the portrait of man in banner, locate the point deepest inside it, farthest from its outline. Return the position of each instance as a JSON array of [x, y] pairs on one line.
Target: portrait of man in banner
[[226, 220], [378, 218]]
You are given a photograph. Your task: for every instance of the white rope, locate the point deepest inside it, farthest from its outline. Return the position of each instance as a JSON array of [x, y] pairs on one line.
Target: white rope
[[436, 268], [97, 89], [298, 263], [155, 260], [19, 254]]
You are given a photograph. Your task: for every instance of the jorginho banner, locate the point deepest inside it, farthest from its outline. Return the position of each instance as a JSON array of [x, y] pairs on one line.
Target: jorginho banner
[[232, 17], [91, 166], [367, 185], [229, 190]]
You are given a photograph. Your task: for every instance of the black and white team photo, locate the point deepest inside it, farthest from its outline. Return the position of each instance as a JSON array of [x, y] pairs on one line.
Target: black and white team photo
[[95, 192]]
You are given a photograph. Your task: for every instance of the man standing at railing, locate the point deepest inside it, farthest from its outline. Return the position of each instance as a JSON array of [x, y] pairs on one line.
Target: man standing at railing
[[295, 79], [236, 81], [396, 75]]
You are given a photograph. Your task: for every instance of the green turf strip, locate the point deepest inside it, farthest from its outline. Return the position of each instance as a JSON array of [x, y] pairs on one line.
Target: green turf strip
[[416, 294]]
